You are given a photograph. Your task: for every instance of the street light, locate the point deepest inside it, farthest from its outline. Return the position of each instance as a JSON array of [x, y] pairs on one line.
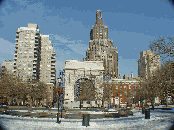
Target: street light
[[59, 92]]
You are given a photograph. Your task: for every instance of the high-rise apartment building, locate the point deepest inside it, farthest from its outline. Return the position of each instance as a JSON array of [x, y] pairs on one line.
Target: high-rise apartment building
[[47, 67], [147, 63], [35, 58], [47, 63], [27, 52], [101, 48]]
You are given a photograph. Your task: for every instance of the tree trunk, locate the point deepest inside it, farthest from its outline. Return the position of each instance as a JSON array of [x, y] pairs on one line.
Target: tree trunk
[[152, 99], [31, 102], [167, 100]]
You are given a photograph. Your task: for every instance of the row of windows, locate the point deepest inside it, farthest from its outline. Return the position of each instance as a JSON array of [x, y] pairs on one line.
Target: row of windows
[[24, 61], [29, 65], [116, 87], [25, 45], [28, 61], [44, 62], [30, 69], [22, 30], [25, 52], [28, 49], [27, 37], [27, 34], [25, 56]]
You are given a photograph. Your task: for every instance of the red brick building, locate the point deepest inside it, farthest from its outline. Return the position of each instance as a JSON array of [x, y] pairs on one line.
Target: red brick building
[[123, 92]]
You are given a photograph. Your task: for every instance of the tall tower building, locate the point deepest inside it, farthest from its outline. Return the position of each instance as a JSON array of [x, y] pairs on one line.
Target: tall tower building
[[27, 52], [47, 63], [47, 67], [147, 63], [101, 48]]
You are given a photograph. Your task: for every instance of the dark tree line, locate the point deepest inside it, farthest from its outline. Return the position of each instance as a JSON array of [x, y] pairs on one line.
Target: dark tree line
[[160, 82], [13, 90]]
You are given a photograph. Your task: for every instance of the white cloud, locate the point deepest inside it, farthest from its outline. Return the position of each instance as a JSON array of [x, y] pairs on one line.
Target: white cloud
[[75, 45], [61, 39], [6, 46], [6, 50], [79, 47]]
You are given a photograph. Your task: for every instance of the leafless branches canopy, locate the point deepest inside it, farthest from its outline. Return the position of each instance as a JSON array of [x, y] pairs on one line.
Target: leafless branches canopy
[[160, 82], [16, 92]]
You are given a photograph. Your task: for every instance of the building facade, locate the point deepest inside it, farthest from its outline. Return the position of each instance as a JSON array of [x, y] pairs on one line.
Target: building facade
[[147, 63], [35, 58], [48, 59], [123, 92], [87, 73], [27, 53], [47, 67], [7, 67], [101, 48]]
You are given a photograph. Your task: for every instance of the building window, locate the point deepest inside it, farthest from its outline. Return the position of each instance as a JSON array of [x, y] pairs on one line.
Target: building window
[[124, 87], [120, 87], [121, 101], [125, 93], [120, 93], [116, 87], [129, 86]]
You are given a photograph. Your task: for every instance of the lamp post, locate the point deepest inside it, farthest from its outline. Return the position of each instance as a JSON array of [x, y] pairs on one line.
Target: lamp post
[[59, 81]]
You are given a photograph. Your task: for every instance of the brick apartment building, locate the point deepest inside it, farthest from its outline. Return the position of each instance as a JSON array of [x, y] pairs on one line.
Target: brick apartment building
[[122, 92]]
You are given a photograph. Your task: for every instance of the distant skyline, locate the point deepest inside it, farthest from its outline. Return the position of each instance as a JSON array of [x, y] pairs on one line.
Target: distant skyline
[[131, 25]]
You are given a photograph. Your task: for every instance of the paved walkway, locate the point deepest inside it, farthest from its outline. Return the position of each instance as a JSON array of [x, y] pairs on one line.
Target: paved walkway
[[158, 120]]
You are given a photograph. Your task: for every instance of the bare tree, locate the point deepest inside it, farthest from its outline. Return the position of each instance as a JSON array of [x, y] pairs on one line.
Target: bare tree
[[166, 52], [36, 91], [87, 90], [11, 87], [159, 81]]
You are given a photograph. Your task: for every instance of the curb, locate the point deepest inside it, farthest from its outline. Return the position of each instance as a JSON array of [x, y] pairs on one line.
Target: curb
[[67, 120]]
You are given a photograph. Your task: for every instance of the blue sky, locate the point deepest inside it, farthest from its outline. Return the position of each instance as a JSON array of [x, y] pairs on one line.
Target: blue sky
[[132, 24]]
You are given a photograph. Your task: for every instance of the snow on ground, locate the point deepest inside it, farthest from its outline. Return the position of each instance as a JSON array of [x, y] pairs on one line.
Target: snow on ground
[[158, 120], [20, 110]]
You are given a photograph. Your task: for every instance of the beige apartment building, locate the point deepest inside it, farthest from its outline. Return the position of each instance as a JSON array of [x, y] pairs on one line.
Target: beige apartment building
[[7, 66], [35, 58], [47, 63], [47, 67], [27, 53], [147, 63], [101, 48]]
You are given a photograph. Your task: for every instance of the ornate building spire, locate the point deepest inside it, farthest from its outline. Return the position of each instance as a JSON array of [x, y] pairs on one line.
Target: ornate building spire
[[101, 48], [99, 20]]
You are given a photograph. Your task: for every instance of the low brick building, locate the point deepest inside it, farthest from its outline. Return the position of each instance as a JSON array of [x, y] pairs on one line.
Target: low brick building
[[122, 92]]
